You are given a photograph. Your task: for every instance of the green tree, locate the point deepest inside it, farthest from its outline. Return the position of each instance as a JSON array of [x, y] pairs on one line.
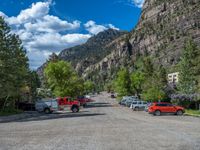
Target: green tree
[[137, 81], [154, 94], [109, 87], [13, 65], [123, 82], [189, 68], [155, 81], [33, 82], [148, 67], [89, 86], [63, 80]]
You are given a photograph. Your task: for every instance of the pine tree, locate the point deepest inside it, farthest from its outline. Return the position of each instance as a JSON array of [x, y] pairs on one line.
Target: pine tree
[[188, 68], [13, 64]]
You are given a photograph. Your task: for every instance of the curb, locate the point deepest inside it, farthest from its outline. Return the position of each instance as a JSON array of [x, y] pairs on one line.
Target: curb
[[198, 116]]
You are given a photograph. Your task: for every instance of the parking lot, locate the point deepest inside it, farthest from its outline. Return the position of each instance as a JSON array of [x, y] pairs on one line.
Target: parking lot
[[103, 125]]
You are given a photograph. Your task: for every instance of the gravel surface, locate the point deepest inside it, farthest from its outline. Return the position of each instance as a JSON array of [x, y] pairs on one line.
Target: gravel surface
[[102, 126]]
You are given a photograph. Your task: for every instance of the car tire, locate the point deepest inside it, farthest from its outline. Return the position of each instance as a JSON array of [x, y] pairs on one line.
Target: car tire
[[136, 108], [75, 109], [179, 113], [47, 111], [157, 113]]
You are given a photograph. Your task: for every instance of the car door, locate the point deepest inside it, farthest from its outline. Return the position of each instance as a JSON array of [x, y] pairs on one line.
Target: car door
[[128, 102], [134, 103], [171, 108], [139, 103], [162, 107]]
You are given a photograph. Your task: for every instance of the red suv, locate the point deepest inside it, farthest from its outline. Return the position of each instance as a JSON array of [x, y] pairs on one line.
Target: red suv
[[162, 107]]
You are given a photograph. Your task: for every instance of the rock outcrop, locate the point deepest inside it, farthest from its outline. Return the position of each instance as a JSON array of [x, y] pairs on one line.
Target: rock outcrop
[[161, 32]]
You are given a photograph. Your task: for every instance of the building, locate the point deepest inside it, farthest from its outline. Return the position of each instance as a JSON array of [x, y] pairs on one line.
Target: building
[[173, 77]]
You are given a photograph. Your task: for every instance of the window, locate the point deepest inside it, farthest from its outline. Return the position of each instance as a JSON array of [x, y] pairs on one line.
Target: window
[[161, 105], [170, 105]]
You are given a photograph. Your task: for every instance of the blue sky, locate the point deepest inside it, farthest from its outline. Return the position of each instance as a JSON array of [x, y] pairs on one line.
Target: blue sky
[[47, 26]]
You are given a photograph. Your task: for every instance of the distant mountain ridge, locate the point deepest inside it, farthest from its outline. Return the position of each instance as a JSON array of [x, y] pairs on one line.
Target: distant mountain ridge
[[93, 51]]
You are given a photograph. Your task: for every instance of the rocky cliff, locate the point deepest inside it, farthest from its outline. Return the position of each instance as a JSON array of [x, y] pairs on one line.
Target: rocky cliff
[[161, 32]]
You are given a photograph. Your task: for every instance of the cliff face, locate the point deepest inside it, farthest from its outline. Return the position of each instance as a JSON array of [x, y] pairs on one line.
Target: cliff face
[[93, 51], [162, 29], [161, 32]]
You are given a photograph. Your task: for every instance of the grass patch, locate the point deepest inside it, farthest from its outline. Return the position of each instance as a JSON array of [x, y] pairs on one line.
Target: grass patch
[[193, 112], [8, 112]]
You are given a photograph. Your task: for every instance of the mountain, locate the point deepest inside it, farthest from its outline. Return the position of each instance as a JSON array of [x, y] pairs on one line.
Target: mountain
[[161, 32], [93, 51]]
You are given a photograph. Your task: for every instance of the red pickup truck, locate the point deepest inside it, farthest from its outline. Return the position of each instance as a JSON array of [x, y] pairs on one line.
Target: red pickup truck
[[68, 102], [52, 105], [84, 101]]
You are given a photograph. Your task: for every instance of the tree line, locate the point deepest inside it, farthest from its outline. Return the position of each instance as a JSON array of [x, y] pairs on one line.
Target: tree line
[[16, 78], [149, 82], [63, 80], [20, 84]]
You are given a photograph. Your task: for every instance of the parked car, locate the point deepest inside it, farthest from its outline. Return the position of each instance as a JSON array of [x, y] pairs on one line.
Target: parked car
[[112, 95], [125, 97], [46, 105], [129, 101], [122, 102], [52, 105], [138, 105], [84, 101], [162, 107]]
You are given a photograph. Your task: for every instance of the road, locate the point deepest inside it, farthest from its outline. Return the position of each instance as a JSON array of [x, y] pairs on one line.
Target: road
[[102, 126]]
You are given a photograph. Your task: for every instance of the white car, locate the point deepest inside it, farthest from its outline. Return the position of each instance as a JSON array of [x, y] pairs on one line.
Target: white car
[[138, 105]]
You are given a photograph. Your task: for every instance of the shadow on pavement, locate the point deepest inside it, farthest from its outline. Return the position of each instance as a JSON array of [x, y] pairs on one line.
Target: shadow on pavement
[[43, 117], [99, 105]]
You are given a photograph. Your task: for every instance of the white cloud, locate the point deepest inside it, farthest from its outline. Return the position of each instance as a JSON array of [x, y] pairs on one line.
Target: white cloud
[[51, 24], [42, 33], [93, 28], [36, 11], [2, 14], [55, 41], [138, 3], [112, 27]]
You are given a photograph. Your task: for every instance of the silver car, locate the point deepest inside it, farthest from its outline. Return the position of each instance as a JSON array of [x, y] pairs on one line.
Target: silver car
[[46, 105], [129, 101], [138, 105]]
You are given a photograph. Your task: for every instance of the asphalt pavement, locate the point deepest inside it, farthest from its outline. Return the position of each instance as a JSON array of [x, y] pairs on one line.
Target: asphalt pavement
[[103, 125]]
